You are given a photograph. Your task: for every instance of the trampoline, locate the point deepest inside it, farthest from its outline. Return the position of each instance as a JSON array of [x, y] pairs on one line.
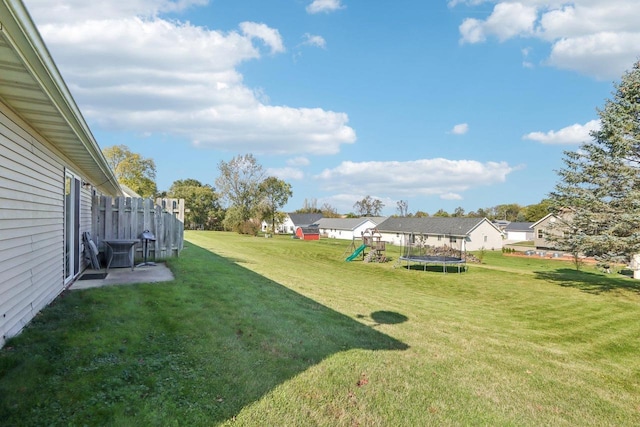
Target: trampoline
[[437, 260], [417, 250]]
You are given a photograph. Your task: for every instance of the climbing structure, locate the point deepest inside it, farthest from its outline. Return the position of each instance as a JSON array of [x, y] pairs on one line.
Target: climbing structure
[[372, 239]]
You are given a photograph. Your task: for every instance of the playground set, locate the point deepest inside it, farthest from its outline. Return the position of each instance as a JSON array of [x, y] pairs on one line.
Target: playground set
[[372, 239]]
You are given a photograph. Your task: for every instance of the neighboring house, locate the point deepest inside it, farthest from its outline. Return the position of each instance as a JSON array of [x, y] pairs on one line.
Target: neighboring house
[[50, 167], [519, 231], [469, 234], [550, 225], [347, 228], [294, 220]]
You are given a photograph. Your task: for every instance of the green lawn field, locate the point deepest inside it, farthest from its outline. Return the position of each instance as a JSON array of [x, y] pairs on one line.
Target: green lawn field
[[283, 332]]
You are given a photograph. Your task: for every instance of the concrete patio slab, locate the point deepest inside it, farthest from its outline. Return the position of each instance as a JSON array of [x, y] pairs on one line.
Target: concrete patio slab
[[125, 276]]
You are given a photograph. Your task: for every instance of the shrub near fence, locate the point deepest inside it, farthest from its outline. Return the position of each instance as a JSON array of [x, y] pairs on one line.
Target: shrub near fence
[[126, 218]]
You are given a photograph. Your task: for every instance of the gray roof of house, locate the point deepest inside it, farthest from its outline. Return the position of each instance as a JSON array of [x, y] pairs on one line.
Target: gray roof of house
[[519, 226], [431, 225], [303, 220], [347, 223]]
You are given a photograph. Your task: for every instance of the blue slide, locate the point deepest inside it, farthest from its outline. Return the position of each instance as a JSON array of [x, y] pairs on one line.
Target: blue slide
[[356, 253]]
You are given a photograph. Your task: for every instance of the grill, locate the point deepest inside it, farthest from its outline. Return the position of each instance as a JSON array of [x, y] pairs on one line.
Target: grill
[[146, 236]]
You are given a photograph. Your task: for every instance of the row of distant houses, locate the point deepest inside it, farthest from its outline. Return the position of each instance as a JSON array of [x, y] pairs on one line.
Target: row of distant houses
[[464, 233], [469, 233]]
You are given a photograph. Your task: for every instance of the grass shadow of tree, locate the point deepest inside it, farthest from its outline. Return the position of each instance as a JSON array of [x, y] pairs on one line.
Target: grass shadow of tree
[[198, 349], [589, 282]]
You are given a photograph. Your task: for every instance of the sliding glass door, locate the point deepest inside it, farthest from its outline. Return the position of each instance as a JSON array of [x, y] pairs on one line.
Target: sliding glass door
[[71, 226]]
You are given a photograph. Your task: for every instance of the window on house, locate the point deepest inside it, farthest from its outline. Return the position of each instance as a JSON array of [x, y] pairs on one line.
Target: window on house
[[486, 239], [452, 240], [540, 233]]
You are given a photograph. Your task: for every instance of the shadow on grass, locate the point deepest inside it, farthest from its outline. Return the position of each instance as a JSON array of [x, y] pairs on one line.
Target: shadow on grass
[[388, 317], [437, 268], [197, 350], [589, 282]]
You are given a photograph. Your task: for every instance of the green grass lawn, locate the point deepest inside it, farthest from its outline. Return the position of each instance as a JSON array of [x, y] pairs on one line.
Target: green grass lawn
[[284, 332]]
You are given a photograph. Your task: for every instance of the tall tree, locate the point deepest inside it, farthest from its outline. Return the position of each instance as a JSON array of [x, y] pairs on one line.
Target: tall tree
[[402, 206], [601, 181], [368, 206], [458, 212], [202, 207], [276, 194], [239, 186], [310, 206], [132, 170]]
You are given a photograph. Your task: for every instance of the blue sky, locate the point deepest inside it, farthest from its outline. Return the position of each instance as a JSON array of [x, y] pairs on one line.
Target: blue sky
[[444, 104]]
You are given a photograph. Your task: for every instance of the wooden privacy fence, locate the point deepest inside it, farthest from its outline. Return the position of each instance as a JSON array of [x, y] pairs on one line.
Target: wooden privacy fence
[[126, 218]]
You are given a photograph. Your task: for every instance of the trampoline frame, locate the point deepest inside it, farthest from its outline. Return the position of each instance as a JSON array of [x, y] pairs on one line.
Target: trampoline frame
[[427, 260]]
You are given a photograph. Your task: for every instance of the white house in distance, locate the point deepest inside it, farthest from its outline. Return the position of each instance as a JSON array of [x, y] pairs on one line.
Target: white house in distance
[[470, 234], [295, 220], [519, 231], [347, 228], [50, 166]]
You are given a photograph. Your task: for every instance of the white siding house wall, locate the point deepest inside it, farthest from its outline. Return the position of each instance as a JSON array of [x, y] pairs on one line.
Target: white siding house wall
[[393, 238], [486, 236], [519, 236], [428, 239], [31, 223], [357, 232], [347, 234], [286, 227]]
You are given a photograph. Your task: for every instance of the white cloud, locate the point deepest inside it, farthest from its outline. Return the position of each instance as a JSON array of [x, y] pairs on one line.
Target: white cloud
[[460, 129], [507, 20], [426, 177], [594, 37], [574, 134], [454, 3], [286, 174], [318, 6], [313, 40], [451, 196], [298, 161], [268, 35], [81, 10], [603, 55], [148, 75]]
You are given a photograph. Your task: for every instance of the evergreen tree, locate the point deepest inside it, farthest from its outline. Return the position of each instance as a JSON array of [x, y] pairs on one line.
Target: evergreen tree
[[600, 183]]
